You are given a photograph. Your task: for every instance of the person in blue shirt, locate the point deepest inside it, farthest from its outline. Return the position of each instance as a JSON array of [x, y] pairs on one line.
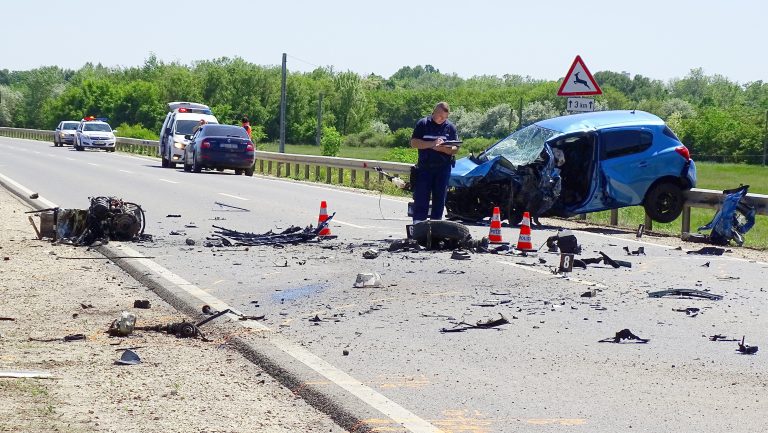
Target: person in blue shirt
[[431, 174]]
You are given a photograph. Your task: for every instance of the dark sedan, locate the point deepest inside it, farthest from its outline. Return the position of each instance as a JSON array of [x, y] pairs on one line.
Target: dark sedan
[[220, 147]]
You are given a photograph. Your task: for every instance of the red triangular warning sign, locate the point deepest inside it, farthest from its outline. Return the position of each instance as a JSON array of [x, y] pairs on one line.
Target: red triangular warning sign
[[579, 81]]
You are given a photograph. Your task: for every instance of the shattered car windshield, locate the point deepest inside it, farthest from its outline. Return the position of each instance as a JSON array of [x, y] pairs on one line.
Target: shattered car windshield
[[523, 146]]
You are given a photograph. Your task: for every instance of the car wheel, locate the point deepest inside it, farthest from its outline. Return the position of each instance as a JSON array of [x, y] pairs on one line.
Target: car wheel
[[195, 166], [187, 167], [238, 171], [664, 202], [433, 233], [249, 172]]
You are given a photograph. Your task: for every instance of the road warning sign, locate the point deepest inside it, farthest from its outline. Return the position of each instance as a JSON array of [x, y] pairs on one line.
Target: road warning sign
[[579, 81]]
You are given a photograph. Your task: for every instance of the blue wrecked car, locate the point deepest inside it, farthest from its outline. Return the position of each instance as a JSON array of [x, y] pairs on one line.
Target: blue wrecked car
[[576, 164]]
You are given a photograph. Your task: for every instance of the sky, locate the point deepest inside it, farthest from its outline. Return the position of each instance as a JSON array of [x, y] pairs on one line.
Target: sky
[[659, 39]]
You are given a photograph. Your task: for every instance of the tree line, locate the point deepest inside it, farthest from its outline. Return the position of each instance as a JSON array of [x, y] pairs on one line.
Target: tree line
[[712, 115]]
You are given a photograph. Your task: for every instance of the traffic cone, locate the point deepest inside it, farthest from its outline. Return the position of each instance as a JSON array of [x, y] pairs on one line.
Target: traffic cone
[[524, 241], [322, 218], [494, 235]]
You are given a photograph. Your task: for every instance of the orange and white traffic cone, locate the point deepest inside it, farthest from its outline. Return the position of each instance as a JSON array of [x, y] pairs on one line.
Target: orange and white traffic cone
[[494, 235], [524, 241], [322, 218]]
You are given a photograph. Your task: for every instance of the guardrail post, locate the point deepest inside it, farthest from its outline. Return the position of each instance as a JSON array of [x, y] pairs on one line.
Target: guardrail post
[[261, 166], [317, 173], [341, 176], [381, 178], [287, 169], [686, 225], [269, 167], [327, 174], [306, 171], [648, 222], [279, 168], [367, 179], [614, 217], [353, 176]]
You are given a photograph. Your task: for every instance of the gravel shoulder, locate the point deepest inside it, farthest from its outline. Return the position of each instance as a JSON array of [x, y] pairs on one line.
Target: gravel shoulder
[[182, 385]]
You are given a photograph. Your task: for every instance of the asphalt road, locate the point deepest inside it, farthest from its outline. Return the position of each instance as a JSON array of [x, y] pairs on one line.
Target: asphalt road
[[543, 372]]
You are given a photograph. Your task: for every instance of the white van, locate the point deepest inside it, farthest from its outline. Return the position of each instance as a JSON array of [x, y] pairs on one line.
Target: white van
[[181, 119]]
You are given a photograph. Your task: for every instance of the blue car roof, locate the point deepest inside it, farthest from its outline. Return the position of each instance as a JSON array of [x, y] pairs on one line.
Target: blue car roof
[[599, 120]]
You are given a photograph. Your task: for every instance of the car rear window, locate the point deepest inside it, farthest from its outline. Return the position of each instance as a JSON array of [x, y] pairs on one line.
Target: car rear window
[[625, 142], [185, 127], [69, 126], [225, 130]]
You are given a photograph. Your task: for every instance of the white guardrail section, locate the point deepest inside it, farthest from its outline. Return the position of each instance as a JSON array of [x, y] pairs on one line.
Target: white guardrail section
[[317, 167]]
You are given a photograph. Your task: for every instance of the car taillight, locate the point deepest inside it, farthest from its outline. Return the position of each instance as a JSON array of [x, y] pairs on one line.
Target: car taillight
[[683, 151], [205, 144], [249, 147]]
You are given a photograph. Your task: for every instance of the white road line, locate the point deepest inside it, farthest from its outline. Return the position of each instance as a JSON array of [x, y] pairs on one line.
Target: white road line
[[349, 224], [93, 164], [324, 188], [28, 191], [126, 171], [234, 196], [166, 180], [410, 421], [575, 280], [69, 159]]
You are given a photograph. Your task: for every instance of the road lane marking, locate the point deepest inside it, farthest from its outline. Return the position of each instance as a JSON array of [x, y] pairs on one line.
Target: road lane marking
[[93, 164], [234, 196], [28, 191], [575, 280], [349, 224], [169, 181], [324, 188], [126, 171], [392, 410]]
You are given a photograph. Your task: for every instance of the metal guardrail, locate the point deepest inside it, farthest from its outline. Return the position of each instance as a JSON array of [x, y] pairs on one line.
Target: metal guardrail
[[292, 165]]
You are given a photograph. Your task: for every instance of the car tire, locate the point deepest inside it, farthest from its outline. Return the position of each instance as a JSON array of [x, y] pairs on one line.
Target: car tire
[[238, 171], [196, 168], [664, 202], [452, 234], [249, 172]]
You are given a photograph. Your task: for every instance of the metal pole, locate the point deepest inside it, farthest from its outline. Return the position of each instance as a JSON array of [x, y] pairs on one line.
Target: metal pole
[[765, 138], [282, 109], [319, 132], [520, 113]]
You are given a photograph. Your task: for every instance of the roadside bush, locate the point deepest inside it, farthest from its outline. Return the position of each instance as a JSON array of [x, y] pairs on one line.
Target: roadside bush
[[403, 154], [477, 144], [331, 141], [402, 137], [136, 131], [369, 138]]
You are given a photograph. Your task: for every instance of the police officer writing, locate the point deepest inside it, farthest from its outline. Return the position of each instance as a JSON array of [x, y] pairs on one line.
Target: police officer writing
[[431, 174]]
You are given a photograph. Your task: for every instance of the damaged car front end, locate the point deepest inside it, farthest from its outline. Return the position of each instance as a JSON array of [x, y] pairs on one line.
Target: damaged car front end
[[576, 164]]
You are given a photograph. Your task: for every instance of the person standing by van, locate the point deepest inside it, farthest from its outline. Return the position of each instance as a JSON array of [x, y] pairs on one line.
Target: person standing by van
[[246, 125]]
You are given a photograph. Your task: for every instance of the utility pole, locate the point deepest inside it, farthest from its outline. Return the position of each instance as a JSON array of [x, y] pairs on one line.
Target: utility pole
[[319, 132], [520, 114], [282, 109]]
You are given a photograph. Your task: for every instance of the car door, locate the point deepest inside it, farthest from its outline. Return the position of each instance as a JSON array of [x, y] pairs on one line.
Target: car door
[[625, 158]]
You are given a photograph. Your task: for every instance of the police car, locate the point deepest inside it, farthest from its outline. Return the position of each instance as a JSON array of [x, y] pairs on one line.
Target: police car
[[94, 133]]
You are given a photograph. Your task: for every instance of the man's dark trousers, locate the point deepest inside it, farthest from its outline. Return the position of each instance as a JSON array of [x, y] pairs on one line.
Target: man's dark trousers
[[430, 181]]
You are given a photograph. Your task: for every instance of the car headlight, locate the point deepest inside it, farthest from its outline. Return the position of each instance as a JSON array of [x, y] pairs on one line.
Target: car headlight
[[179, 144]]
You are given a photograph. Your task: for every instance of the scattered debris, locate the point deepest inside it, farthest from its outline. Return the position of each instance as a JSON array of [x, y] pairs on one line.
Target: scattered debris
[[615, 263], [590, 294], [624, 334], [7, 318], [74, 337], [224, 205], [143, 304], [451, 271], [690, 311], [291, 235], [734, 219], [709, 251], [640, 231], [34, 195], [488, 324], [405, 245], [173, 216], [345, 352], [129, 357], [564, 241], [746, 349], [640, 251], [368, 279], [107, 218], [370, 253], [685, 294], [123, 326], [491, 302], [705, 265], [190, 242], [718, 337], [460, 255]]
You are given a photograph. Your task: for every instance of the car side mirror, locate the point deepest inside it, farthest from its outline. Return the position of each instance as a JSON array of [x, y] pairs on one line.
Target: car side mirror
[[188, 136], [167, 130]]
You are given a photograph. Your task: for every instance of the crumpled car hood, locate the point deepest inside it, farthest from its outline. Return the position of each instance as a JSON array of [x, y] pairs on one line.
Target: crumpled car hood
[[467, 172]]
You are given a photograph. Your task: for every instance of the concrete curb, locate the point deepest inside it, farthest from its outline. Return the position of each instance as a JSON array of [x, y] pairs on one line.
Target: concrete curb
[[347, 410]]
